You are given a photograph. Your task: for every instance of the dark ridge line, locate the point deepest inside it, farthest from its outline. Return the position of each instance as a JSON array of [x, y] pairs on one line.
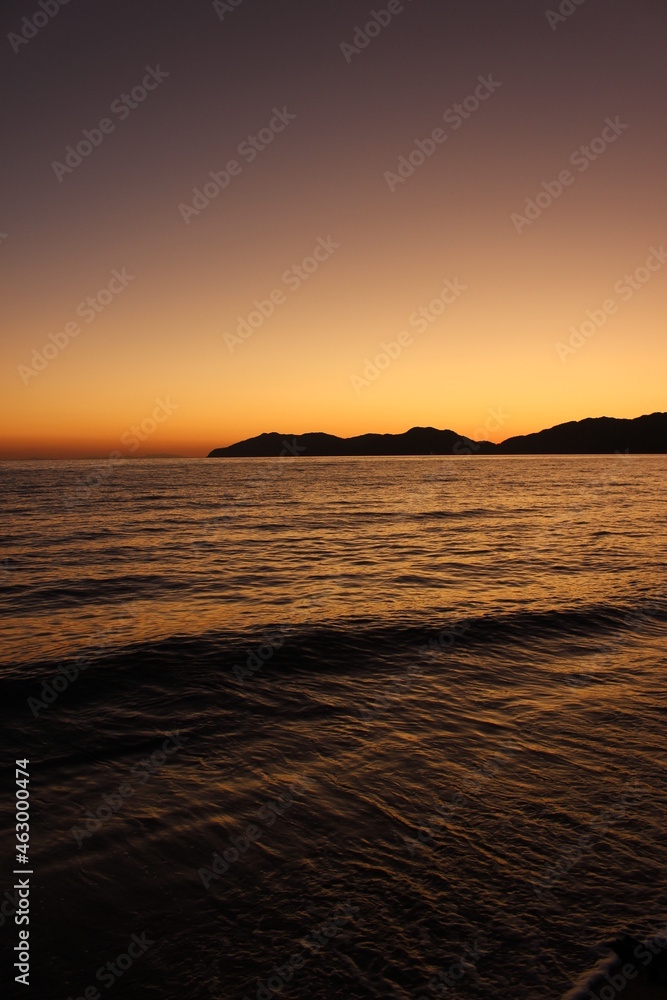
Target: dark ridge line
[[646, 435]]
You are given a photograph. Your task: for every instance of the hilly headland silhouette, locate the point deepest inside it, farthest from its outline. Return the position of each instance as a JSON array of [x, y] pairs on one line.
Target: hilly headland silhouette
[[646, 435]]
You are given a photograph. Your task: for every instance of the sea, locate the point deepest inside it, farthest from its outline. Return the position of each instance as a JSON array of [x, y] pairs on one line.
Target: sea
[[333, 728]]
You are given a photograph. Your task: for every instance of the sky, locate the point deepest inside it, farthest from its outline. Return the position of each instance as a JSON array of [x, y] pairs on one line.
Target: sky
[[225, 218]]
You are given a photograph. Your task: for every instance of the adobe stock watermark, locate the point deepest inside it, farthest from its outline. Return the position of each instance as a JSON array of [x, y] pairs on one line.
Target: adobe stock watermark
[[449, 979], [495, 420], [597, 485], [378, 21], [599, 826], [108, 973], [611, 981], [70, 671], [264, 477], [269, 813], [581, 158], [249, 150], [139, 433], [7, 568], [222, 7], [565, 11], [625, 288], [455, 118], [645, 616], [131, 439], [258, 657], [31, 26], [419, 321], [65, 675], [489, 770], [389, 694], [312, 944], [88, 310], [292, 279], [9, 906], [122, 108], [140, 774]]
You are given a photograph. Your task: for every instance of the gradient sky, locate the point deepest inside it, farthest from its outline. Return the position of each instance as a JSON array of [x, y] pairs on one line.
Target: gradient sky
[[489, 361]]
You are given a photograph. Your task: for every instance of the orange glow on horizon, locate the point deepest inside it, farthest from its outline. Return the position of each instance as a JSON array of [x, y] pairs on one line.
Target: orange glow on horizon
[[265, 311]]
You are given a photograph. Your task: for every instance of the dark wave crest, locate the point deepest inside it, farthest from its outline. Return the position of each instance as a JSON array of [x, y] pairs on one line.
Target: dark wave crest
[[330, 647]]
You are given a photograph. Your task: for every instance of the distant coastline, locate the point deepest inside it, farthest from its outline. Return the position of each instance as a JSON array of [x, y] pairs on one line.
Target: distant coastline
[[646, 435]]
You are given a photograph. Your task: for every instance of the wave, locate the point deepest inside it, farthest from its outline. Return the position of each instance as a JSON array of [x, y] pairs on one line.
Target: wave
[[635, 969], [365, 642]]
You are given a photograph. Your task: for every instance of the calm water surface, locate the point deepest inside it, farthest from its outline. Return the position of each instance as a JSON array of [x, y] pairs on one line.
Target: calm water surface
[[415, 709]]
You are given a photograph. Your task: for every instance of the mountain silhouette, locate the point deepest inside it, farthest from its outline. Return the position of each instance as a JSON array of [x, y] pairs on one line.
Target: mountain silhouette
[[594, 436], [645, 435]]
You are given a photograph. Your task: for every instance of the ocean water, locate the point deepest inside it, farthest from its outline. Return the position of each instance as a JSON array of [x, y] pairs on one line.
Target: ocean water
[[353, 728]]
